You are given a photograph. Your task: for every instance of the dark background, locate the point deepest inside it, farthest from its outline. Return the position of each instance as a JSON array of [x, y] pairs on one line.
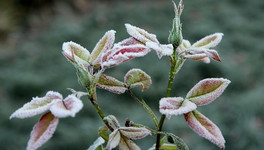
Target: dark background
[[31, 63]]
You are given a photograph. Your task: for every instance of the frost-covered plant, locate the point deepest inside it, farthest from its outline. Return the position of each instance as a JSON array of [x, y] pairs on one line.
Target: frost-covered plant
[[106, 54]]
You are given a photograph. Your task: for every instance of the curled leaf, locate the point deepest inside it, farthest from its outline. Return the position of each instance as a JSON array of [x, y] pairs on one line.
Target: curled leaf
[[120, 54], [134, 132], [175, 106], [137, 77], [140, 34], [161, 49], [207, 90], [129, 41], [111, 84], [114, 139], [76, 53], [209, 41], [37, 105], [102, 131], [205, 128], [42, 131], [104, 44], [68, 107], [112, 121], [213, 54]]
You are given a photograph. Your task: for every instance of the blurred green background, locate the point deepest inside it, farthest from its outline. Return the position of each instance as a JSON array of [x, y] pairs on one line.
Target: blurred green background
[[31, 63]]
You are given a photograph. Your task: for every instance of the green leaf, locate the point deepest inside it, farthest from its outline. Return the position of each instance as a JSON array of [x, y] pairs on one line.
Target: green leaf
[[178, 142], [102, 131], [137, 77], [111, 84]]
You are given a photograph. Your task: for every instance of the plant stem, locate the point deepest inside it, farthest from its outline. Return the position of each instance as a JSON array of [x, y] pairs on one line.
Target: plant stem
[[176, 64], [99, 111], [145, 106]]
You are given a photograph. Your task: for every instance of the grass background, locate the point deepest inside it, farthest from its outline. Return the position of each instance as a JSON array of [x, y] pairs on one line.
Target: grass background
[[31, 63]]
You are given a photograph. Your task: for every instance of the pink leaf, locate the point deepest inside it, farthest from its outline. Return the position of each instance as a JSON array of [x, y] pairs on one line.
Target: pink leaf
[[128, 41], [76, 53], [207, 90], [120, 54], [175, 106], [42, 131], [140, 34], [213, 54], [114, 139], [104, 44], [37, 105], [161, 49], [137, 77], [111, 84], [134, 132], [205, 128], [209, 41], [68, 107]]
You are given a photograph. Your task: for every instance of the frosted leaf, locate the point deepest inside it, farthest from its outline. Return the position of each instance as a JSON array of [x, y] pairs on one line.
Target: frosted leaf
[[127, 144], [134, 132], [99, 141], [68, 107], [37, 105], [206, 60], [42, 131], [76, 53], [128, 41], [137, 77], [209, 41], [195, 56], [111, 84], [112, 121], [207, 90], [205, 128], [104, 44], [161, 49], [175, 106], [114, 139], [140, 34], [120, 54], [213, 54]]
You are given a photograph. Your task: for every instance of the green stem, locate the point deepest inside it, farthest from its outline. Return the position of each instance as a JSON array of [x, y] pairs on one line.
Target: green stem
[[145, 106], [99, 111], [176, 64]]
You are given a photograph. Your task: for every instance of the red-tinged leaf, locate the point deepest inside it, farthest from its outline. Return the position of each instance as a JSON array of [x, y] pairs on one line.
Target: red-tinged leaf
[[205, 128], [140, 34], [209, 41], [134, 132], [137, 77], [111, 84], [104, 44], [42, 131], [127, 144], [175, 106], [76, 53], [161, 49], [68, 107], [37, 105], [213, 54], [120, 54], [207, 90], [114, 139], [129, 41]]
